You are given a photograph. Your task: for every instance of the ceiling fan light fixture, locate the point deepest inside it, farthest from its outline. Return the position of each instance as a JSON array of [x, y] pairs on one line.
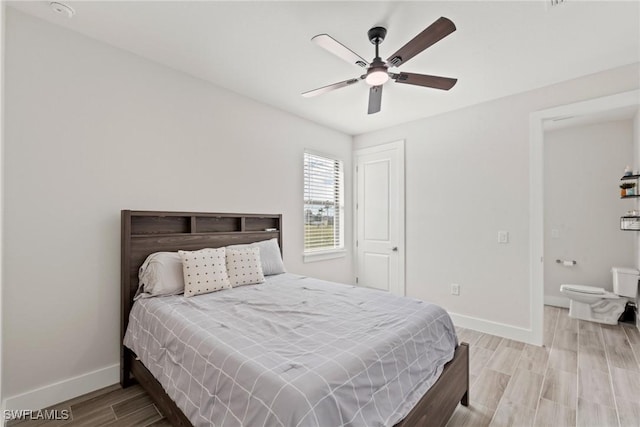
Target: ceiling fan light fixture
[[377, 76]]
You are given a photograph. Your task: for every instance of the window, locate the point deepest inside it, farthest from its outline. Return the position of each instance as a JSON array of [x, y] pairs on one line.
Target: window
[[323, 204]]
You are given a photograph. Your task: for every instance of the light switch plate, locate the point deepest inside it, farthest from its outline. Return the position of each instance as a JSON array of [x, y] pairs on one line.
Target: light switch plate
[[503, 237]]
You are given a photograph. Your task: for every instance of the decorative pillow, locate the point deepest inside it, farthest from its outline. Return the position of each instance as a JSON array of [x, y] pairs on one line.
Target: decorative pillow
[[160, 274], [204, 271], [270, 256], [243, 266]]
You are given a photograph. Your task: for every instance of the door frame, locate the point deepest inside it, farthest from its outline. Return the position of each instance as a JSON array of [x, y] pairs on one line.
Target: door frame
[[398, 146], [536, 191]]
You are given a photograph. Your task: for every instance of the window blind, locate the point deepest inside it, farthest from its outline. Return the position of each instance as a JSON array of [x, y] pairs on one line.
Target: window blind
[[323, 203]]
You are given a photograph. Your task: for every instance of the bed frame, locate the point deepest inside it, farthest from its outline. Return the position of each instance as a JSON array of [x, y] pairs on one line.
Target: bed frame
[[145, 232]]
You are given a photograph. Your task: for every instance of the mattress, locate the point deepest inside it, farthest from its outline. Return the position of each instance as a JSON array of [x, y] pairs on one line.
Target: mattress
[[294, 351]]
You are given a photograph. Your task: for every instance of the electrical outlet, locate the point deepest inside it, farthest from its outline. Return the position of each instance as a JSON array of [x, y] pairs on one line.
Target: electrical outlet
[[455, 289]]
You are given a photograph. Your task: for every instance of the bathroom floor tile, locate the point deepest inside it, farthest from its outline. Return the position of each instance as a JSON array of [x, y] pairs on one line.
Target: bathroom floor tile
[[566, 323], [629, 412], [591, 339], [590, 358], [564, 360], [618, 348], [625, 383], [566, 340], [593, 415]]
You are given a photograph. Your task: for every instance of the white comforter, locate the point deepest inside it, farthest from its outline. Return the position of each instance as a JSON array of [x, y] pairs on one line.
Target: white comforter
[[294, 351]]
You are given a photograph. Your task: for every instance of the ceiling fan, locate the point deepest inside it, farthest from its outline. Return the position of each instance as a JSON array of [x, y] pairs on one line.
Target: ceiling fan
[[378, 70]]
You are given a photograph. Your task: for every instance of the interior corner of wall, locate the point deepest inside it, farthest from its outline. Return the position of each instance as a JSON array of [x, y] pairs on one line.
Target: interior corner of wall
[[2, 50]]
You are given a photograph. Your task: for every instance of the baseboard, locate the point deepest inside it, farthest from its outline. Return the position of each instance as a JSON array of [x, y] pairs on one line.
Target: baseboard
[[556, 301], [60, 391], [493, 328]]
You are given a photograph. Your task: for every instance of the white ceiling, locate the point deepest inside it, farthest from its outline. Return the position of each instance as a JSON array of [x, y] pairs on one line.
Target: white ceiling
[[263, 50]]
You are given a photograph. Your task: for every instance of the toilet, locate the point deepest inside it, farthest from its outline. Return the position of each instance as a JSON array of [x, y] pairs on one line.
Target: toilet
[[598, 305]]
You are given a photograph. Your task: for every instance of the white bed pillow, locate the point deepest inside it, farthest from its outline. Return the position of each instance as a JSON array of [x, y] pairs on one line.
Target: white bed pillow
[[244, 267], [270, 256], [160, 274], [204, 271]]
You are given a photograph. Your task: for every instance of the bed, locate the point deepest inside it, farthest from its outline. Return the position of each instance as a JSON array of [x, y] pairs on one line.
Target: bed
[[144, 232]]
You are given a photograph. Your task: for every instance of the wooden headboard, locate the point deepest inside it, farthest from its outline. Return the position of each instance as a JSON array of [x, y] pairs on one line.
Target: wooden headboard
[[146, 232]]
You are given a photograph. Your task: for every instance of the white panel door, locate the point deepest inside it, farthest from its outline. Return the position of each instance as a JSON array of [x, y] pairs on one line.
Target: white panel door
[[379, 175]]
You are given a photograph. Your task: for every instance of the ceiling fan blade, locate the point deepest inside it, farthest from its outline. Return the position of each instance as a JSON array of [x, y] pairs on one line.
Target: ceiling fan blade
[[435, 32], [436, 82], [329, 88], [332, 45], [375, 99]]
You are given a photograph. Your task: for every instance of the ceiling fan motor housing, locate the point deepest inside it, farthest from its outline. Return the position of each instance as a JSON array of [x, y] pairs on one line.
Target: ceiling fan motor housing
[[376, 35]]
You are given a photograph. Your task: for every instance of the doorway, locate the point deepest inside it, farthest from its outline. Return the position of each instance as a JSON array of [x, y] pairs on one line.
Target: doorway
[[537, 122], [584, 159], [380, 219]]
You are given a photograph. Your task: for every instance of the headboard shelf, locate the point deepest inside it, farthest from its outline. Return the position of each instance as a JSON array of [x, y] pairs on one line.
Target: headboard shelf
[[144, 223], [231, 233]]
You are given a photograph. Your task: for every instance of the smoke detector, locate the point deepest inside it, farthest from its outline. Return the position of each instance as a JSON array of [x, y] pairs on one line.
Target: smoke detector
[[62, 9]]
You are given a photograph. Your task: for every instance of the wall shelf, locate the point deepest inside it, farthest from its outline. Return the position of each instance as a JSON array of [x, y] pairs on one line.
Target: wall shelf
[[631, 222], [634, 187], [629, 177]]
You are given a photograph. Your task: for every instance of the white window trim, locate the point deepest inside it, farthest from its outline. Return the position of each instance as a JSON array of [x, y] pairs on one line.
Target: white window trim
[[324, 255]]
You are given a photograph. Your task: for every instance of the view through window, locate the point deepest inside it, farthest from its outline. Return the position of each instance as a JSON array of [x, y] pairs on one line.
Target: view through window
[[323, 203]]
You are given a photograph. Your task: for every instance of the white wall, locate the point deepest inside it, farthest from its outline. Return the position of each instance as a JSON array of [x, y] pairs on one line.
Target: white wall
[[91, 130], [582, 170], [467, 175], [2, 39]]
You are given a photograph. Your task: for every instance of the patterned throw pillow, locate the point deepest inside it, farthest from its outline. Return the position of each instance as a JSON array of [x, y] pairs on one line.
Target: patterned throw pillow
[[270, 255], [244, 267], [204, 271]]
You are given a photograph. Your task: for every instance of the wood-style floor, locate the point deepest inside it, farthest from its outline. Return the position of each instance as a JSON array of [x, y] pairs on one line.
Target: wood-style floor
[[586, 375]]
